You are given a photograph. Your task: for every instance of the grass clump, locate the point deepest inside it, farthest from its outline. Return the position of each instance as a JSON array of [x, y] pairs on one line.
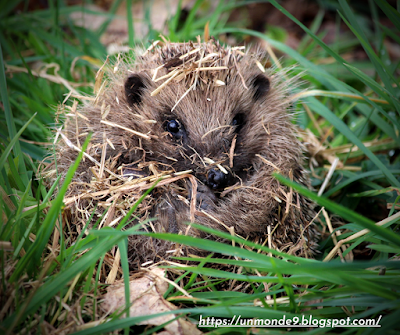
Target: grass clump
[[351, 114]]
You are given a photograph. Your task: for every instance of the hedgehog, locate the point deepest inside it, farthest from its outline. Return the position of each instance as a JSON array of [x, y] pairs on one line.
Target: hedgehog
[[209, 121]]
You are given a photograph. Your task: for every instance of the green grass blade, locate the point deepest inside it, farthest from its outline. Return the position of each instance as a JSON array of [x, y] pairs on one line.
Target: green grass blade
[[189, 21], [392, 14], [29, 228], [7, 6], [60, 281], [344, 212], [125, 268], [355, 177], [320, 109], [10, 120], [36, 249], [13, 142], [115, 5], [382, 70]]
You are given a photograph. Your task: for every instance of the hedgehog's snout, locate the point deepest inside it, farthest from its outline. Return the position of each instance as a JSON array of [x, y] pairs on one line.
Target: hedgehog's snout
[[216, 179]]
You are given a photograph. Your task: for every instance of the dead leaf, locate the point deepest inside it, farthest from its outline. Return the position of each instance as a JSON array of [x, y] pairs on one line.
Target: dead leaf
[[146, 296]]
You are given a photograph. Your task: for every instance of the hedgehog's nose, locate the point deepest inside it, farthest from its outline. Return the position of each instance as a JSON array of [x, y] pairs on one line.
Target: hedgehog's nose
[[216, 179]]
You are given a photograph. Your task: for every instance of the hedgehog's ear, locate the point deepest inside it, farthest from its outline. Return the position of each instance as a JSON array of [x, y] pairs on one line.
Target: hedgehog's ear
[[261, 85], [134, 86]]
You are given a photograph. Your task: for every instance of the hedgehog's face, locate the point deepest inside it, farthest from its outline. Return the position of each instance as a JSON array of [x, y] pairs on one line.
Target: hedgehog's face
[[217, 133]]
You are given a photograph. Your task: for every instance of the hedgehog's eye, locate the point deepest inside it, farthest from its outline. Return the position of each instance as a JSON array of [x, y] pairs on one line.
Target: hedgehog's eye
[[238, 122], [175, 128]]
